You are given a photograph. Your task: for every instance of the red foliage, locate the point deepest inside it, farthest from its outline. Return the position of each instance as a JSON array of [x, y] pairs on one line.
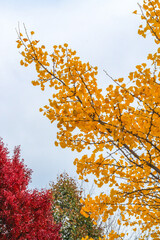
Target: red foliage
[[24, 214]]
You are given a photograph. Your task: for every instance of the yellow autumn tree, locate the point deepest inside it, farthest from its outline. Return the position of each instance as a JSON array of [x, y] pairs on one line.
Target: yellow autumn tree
[[121, 126]]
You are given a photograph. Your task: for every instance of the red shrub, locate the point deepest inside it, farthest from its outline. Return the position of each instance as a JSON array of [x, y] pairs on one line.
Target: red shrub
[[24, 214]]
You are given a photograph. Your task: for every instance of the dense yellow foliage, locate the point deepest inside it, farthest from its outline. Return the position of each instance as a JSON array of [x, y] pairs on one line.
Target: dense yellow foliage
[[122, 127]]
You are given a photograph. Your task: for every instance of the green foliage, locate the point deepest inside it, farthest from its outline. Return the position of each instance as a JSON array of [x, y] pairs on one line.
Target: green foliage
[[66, 210]]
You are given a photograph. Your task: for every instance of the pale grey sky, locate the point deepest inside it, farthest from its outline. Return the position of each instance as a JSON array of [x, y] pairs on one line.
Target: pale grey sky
[[102, 32]]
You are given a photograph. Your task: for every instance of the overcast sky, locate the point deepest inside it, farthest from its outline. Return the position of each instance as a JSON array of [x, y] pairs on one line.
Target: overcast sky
[[103, 32]]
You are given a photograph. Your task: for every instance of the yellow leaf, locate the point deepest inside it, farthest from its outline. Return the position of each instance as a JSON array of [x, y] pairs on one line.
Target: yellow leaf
[[21, 62], [135, 12]]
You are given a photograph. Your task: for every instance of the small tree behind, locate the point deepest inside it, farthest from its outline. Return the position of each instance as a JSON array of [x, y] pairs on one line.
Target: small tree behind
[[67, 208]]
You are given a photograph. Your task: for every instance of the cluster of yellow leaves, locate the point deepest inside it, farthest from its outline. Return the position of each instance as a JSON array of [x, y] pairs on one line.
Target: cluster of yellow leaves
[[122, 127], [111, 236], [150, 13], [88, 238]]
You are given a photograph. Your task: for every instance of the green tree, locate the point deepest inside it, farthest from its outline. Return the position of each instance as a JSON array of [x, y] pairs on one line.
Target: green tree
[[67, 210]]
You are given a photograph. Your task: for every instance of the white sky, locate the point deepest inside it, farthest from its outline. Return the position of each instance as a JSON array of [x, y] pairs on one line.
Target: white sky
[[103, 32]]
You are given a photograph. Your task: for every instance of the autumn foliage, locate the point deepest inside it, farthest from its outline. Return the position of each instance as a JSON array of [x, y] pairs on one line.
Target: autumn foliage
[[24, 214], [121, 126]]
